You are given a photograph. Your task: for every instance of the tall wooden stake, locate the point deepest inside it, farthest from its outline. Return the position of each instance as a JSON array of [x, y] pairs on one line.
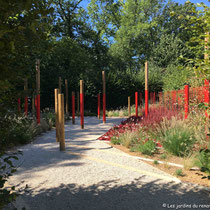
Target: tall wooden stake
[[26, 96], [104, 96], [82, 104], [67, 96], [61, 121], [146, 90], [38, 90], [129, 106], [56, 114], [73, 107]]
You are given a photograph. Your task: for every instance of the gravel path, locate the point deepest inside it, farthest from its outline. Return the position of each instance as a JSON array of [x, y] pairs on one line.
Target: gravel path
[[92, 175]]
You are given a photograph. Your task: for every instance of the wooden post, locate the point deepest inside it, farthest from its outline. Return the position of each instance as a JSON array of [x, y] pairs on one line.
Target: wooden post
[[60, 84], [99, 108], [61, 121], [82, 104], [186, 101], [56, 114], [129, 106], [104, 96], [67, 96], [38, 90], [73, 107], [26, 96], [77, 104], [146, 90], [136, 103]]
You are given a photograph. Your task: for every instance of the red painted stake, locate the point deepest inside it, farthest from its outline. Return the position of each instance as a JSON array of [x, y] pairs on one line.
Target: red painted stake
[[26, 106], [82, 110], [38, 109], [136, 103], [73, 108], [146, 102], [104, 107], [99, 108], [19, 105], [186, 89], [206, 88]]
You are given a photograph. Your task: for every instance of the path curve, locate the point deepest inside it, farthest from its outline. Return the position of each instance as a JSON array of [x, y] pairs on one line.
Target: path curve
[[92, 175]]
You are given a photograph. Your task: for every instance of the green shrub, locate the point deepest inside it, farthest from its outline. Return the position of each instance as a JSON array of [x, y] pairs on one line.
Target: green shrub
[[179, 172], [128, 139], [148, 148], [156, 162], [203, 160], [115, 140], [178, 141], [7, 168], [50, 118]]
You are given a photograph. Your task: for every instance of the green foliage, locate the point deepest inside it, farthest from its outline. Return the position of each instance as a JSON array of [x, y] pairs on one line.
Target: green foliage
[[155, 162], [179, 172], [115, 140], [147, 148], [198, 26], [203, 160], [49, 117], [7, 168], [179, 141], [163, 156], [15, 129], [175, 78]]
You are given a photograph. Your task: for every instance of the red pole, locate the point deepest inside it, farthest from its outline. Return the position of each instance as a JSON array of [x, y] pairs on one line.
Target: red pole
[[136, 103], [104, 107], [206, 88], [73, 108], [99, 109], [104, 97], [186, 101], [26, 106], [38, 109], [19, 105], [146, 90], [81, 104]]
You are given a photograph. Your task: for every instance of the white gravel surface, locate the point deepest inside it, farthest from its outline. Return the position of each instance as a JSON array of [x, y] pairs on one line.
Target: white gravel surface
[[92, 175]]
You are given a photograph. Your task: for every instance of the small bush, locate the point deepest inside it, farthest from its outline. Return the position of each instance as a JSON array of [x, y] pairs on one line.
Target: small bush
[[163, 156], [7, 168], [203, 160], [178, 141], [148, 148], [156, 162], [128, 139], [115, 140], [179, 172]]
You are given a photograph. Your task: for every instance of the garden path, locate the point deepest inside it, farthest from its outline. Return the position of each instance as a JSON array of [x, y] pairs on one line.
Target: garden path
[[91, 174]]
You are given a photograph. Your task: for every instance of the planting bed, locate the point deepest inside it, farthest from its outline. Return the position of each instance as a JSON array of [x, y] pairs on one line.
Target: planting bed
[[155, 117], [189, 176], [131, 124]]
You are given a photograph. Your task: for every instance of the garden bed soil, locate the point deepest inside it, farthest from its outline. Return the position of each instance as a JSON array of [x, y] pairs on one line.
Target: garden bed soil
[[189, 176]]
